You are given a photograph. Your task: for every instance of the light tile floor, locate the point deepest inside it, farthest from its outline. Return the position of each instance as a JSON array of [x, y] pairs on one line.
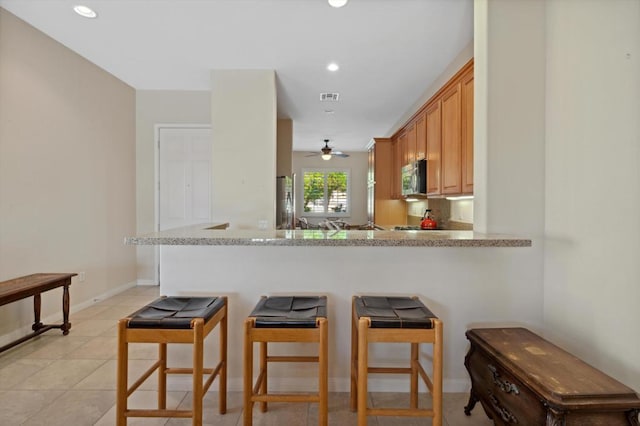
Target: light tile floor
[[70, 381]]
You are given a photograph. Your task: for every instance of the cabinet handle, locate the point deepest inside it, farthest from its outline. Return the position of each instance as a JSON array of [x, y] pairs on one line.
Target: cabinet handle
[[505, 385], [504, 413]]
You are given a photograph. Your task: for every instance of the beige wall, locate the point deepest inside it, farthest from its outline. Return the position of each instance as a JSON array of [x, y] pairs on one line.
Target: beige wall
[[356, 163], [592, 273], [556, 122], [243, 118], [155, 107], [67, 170]]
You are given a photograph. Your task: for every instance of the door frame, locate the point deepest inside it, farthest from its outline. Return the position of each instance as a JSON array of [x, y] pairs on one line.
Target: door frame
[[157, 128]]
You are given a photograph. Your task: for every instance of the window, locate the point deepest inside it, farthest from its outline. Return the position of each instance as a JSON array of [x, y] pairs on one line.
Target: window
[[326, 192]]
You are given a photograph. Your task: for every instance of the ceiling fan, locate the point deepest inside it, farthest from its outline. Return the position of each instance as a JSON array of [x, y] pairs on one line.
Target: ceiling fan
[[327, 152]]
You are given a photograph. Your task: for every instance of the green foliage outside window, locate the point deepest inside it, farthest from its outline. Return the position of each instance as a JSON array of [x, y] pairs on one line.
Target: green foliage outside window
[[320, 187]]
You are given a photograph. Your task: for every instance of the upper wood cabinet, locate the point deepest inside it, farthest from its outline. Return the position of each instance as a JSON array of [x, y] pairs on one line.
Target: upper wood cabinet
[[421, 137], [396, 167], [382, 167], [467, 132], [433, 140], [410, 144], [441, 132], [451, 141]]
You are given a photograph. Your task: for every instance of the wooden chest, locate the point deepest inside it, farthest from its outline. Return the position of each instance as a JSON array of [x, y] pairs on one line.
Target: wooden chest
[[522, 379]]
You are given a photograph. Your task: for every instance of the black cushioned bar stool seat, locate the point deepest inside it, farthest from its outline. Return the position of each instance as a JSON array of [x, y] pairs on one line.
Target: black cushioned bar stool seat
[[394, 312], [380, 319], [175, 312], [173, 320], [285, 319], [290, 312]]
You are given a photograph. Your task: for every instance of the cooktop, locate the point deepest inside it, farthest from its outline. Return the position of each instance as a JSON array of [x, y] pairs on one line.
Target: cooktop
[[411, 228]]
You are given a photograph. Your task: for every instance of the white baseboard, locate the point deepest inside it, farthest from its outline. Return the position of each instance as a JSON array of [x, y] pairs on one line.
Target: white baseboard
[[147, 282], [57, 317]]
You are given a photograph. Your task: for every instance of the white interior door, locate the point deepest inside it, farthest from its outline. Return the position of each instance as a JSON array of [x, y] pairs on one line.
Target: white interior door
[[184, 176]]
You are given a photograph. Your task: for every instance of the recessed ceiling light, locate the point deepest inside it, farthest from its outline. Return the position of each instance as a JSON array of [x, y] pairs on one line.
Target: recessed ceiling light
[[333, 67], [85, 11], [337, 3]]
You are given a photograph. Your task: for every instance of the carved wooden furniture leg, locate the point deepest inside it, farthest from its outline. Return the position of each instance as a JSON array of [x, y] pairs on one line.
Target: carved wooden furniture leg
[[66, 325], [37, 325], [473, 399]]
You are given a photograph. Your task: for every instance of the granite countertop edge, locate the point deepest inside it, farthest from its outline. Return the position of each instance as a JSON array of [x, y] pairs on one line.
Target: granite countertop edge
[[207, 234]]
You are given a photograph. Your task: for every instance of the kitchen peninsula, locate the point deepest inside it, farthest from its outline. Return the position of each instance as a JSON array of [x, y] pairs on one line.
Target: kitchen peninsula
[[217, 235], [468, 279]]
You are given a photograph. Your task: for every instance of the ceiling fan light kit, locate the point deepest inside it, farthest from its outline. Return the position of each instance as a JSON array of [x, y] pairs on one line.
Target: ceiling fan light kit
[[327, 152]]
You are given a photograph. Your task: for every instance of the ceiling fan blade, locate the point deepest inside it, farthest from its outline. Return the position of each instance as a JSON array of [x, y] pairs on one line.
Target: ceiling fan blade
[[340, 154], [312, 154]]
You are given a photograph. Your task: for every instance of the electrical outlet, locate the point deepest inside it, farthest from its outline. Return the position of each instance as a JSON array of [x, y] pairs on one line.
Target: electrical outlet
[[81, 276]]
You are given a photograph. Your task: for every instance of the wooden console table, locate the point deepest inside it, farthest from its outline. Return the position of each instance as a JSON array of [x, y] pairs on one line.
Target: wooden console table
[[34, 285], [520, 378]]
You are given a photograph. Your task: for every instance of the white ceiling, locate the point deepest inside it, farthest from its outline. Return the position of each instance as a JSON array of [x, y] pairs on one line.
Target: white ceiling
[[389, 52]]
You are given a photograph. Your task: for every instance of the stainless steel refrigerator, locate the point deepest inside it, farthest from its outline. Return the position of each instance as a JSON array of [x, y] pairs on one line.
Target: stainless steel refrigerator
[[285, 202]]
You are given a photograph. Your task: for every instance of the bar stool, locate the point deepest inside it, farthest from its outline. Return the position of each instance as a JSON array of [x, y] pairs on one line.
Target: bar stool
[[378, 319], [285, 319], [173, 320]]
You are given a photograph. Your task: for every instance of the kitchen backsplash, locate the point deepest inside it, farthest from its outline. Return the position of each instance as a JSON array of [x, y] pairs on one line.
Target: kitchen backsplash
[[448, 214]]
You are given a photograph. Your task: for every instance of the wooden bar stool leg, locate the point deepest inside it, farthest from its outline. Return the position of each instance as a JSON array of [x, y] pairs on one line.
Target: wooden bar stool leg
[[363, 365], [162, 376], [354, 361], [198, 358], [222, 379], [248, 373], [437, 374], [122, 385], [414, 375], [263, 374], [323, 367]]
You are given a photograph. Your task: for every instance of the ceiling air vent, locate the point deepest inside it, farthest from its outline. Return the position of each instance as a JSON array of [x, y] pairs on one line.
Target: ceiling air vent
[[329, 97]]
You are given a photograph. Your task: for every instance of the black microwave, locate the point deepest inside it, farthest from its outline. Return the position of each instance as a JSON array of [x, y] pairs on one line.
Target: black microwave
[[414, 178]]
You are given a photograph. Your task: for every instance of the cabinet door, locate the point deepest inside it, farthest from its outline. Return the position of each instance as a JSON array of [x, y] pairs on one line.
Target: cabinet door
[[404, 154], [410, 142], [396, 161], [467, 133], [421, 137], [451, 141], [433, 141], [383, 170]]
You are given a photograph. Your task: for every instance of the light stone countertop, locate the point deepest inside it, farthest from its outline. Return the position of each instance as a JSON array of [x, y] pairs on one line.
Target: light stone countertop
[[203, 234]]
